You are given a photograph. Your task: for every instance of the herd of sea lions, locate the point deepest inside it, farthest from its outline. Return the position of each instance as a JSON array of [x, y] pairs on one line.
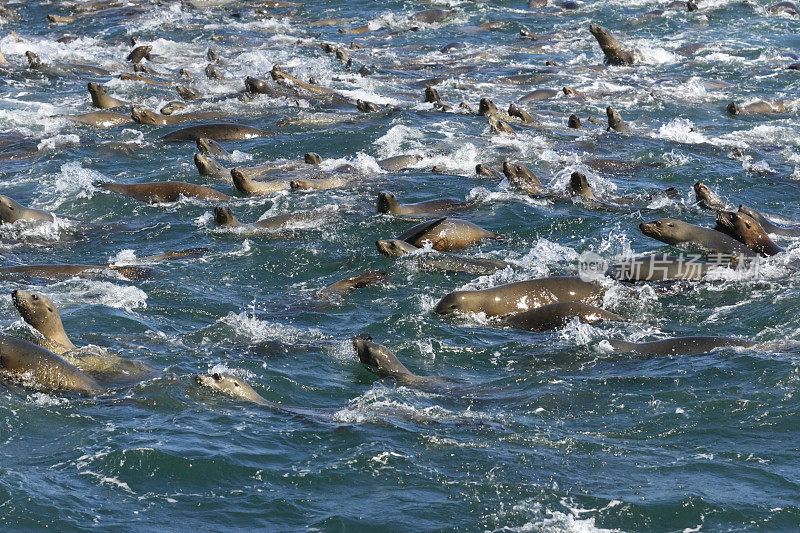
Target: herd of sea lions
[[540, 304]]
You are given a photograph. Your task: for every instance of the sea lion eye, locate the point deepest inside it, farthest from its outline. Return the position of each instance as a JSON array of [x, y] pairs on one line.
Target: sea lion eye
[[670, 224], [50, 309], [216, 376], [747, 223], [34, 297], [235, 384]]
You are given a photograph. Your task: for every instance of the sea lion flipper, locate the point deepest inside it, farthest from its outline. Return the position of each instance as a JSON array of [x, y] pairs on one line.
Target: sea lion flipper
[[420, 229]]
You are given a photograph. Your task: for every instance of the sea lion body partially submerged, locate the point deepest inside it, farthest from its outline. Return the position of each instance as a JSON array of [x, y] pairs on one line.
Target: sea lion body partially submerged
[[559, 314], [251, 187], [382, 362], [479, 266], [446, 234], [68, 271], [218, 132], [522, 178], [211, 147], [224, 216], [615, 53], [708, 199], [399, 162], [520, 296], [678, 345], [387, 203], [145, 116], [11, 211], [101, 98], [208, 167], [757, 108], [233, 387], [23, 360], [768, 225], [170, 191], [746, 230], [101, 119], [345, 286], [675, 232], [615, 122]]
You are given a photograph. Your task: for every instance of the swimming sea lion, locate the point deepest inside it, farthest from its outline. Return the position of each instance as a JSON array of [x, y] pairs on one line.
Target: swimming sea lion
[[101, 98], [615, 122], [430, 16], [387, 203], [345, 286], [139, 53], [399, 162], [487, 108], [213, 73], [446, 262], [381, 362], [101, 119], [208, 167], [790, 8], [24, 360], [218, 132], [144, 116], [757, 108], [487, 171], [748, 231], [522, 178], [675, 232], [232, 386], [11, 211], [540, 94], [224, 216], [251, 187], [579, 186], [520, 296], [557, 315], [613, 50], [38, 311], [68, 271], [188, 93], [446, 234], [498, 126], [574, 122], [211, 147], [707, 199], [768, 225], [521, 114], [678, 345], [169, 191]]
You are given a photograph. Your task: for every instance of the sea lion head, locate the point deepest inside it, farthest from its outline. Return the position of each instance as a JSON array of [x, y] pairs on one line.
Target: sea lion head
[[578, 184], [486, 107], [207, 166], [143, 116], [733, 108], [312, 158], [96, 89], [229, 385], [254, 85], [376, 357], [599, 32], [745, 229], [661, 229], [33, 60], [171, 107], [386, 202], [455, 302], [574, 122], [706, 197], [394, 247], [37, 310], [224, 216], [10, 211]]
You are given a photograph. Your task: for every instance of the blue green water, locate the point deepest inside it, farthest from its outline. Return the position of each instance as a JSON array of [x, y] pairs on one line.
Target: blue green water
[[546, 432]]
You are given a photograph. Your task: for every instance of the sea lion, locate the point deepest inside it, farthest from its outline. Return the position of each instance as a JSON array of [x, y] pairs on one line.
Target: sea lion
[[345, 286], [224, 216], [38, 311], [387, 203], [498, 126], [790, 8], [524, 116], [579, 186], [757, 108], [139, 53], [250, 187], [708, 199], [768, 225], [663, 268], [218, 132], [446, 234], [25, 361], [168, 191], [321, 182], [144, 116], [366, 107], [399, 162], [487, 171], [430, 16], [479, 266], [615, 122], [746, 230], [381, 362], [211, 147], [213, 73], [557, 315], [520, 296], [188, 93], [487, 108], [675, 232], [68, 271], [615, 53], [11, 211], [539, 94], [678, 345], [100, 119], [574, 122], [171, 107], [232, 386], [522, 178], [101, 98], [208, 167]]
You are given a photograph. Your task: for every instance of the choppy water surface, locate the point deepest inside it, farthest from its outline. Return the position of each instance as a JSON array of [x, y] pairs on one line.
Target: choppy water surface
[[546, 431]]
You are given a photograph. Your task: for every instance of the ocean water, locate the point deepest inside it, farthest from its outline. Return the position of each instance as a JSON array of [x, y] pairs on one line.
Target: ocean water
[[541, 431]]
